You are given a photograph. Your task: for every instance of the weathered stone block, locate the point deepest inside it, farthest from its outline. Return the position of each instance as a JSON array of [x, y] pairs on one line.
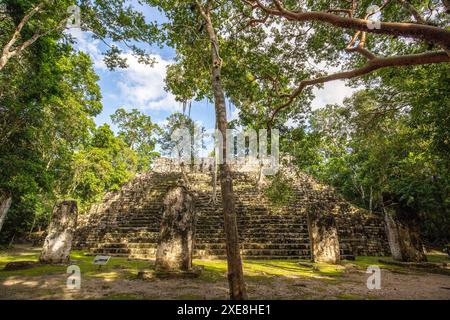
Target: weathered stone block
[[323, 235], [404, 237], [176, 243], [58, 243]]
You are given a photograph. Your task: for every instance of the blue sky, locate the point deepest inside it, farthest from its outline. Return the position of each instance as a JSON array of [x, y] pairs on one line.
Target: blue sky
[[142, 87]]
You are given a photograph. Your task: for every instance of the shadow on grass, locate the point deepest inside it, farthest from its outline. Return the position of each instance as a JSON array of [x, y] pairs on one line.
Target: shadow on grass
[[118, 279]]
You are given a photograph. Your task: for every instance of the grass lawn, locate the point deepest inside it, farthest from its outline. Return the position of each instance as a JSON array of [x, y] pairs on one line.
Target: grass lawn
[[276, 278], [122, 267]]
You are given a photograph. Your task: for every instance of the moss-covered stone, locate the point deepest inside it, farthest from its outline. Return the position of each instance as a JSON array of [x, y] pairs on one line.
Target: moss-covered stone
[[176, 242]]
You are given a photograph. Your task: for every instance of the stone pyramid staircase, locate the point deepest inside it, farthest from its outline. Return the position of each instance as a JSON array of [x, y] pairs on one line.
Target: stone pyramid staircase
[[127, 222]]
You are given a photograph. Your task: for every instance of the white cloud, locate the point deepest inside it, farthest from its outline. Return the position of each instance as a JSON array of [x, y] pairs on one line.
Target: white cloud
[[142, 86], [333, 92], [291, 123], [85, 43]]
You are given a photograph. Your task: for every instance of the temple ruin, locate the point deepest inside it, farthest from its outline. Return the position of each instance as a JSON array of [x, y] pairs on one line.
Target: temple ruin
[[127, 222]]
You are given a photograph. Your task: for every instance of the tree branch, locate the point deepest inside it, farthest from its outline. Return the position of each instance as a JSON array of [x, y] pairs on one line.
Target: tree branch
[[35, 37], [349, 12], [207, 17], [363, 51], [371, 66], [7, 53], [413, 11], [428, 33]]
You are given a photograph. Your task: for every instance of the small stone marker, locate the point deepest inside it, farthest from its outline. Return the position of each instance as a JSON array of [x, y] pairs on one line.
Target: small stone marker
[[101, 261]]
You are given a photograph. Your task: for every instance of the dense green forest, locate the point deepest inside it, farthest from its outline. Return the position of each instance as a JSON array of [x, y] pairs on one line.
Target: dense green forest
[[390, 139], [51, 148]]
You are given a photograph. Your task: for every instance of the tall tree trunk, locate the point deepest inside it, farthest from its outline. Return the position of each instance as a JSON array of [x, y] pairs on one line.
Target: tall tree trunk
[[235, 271]]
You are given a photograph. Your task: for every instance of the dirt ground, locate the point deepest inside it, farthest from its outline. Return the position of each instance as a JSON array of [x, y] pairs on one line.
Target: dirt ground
[[265, 280]]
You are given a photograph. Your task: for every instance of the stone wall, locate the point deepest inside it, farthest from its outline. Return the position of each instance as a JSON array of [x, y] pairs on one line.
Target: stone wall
[[361, 233], [206, 165], [127, 222]]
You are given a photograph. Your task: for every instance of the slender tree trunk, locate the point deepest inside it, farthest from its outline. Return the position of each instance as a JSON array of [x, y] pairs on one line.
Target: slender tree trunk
[[5, 204], [32, 225], [216, 161], [3, 60], [214, 182], [235, 271]]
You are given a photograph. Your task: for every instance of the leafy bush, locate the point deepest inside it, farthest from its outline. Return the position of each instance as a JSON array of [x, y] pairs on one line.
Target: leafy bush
[[280, 190]]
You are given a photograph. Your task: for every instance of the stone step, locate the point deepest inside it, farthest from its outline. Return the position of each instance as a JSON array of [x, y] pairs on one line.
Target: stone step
[[256, 252], [199, 255], [212, 246], [129, 220], [133, 245], [254, 231], [201, 225], [266, 235], [201, 240], [221, 257], [253, 240], [134, 239], [202, 246], [204, 224]]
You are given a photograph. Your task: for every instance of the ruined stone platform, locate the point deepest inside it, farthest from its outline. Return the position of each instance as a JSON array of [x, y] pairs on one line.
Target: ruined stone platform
[[127, 222]]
